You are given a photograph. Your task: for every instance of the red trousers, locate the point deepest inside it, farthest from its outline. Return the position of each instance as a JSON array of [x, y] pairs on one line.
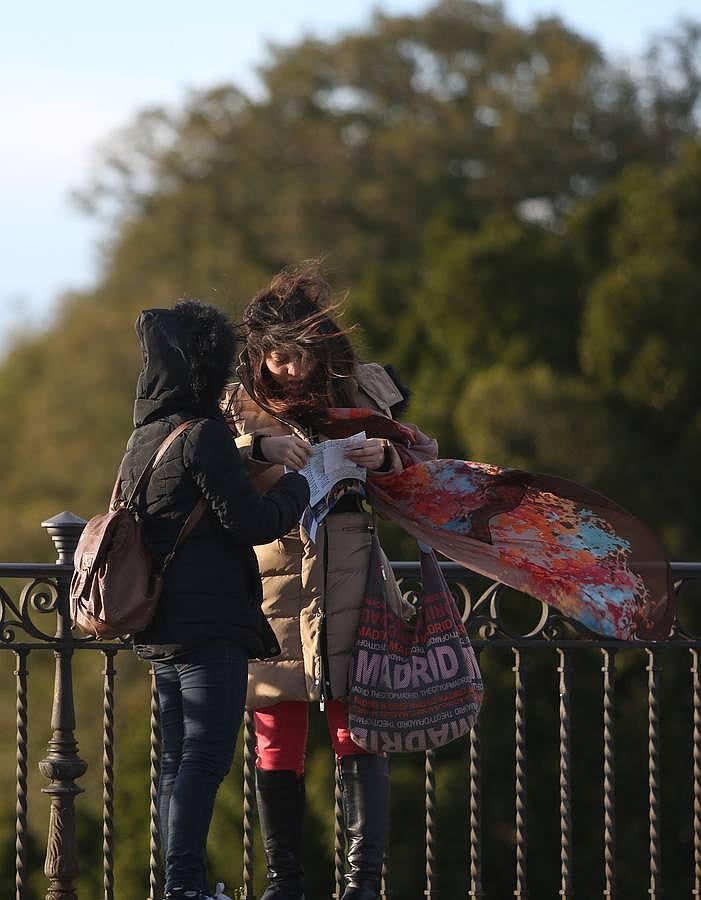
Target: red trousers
[[281, 734]]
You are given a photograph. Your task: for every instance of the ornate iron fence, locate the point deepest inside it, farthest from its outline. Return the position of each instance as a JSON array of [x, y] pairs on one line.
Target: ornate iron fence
[[495, 624]]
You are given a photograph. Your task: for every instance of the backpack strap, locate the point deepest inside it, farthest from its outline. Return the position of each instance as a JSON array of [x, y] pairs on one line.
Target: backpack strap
[[116, 490], [149, 467], [199, 508], [156, 458], [185, 531]]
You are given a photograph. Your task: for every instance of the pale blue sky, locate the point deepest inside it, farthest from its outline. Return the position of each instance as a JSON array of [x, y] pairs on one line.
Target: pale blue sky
[[74, 71]]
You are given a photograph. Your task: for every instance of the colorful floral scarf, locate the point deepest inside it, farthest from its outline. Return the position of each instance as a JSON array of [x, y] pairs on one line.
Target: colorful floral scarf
[[554, 539]]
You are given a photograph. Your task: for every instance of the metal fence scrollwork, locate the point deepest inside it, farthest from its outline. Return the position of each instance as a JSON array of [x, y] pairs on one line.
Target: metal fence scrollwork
[[507, 631]]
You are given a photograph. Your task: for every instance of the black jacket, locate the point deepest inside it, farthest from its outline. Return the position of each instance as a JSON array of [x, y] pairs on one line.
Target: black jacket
[[212, 587]]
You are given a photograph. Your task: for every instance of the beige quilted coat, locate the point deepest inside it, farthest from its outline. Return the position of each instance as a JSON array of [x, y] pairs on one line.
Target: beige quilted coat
[[299, 610]]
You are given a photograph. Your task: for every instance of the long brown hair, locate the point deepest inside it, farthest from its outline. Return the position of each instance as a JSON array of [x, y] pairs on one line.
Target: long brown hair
[[294, 314]]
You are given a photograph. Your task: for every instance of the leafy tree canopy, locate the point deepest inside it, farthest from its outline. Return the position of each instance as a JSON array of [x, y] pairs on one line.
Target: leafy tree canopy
[[489, 194]]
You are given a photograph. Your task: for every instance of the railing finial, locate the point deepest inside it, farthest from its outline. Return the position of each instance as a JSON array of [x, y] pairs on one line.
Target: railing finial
[[65, 530]]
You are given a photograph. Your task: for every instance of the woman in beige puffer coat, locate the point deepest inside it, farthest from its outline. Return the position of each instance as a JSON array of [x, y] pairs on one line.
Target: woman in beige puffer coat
[[313, 666], [297, 363]]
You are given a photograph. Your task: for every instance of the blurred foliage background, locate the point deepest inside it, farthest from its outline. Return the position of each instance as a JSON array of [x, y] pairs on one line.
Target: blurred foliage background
[[516, 220]]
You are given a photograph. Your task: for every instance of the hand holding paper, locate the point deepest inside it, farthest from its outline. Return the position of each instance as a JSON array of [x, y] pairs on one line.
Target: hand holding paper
[[370, 454], [328, 465], [288, 450]]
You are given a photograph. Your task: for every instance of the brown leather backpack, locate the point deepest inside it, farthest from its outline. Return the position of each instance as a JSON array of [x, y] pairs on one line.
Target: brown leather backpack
[[115, 586]]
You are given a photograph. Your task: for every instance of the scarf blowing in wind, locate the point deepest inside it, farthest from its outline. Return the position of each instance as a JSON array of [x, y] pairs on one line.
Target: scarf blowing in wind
[[549, 537]]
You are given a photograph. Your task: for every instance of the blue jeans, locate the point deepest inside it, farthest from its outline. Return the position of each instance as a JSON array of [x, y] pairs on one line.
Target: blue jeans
[[201, 699]]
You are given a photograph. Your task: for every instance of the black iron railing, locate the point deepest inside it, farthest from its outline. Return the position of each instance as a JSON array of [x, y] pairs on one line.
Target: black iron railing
[[34, 594]]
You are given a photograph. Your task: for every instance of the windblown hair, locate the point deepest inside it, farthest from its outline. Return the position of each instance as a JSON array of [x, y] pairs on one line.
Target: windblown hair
[[209, 341], [294, 315]]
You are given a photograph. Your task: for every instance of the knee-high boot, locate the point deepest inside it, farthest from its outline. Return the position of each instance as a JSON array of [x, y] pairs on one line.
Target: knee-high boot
[[280, 799], [365, 787]]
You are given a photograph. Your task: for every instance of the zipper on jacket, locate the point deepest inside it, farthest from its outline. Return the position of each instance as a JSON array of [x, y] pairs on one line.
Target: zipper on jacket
[[323, 639]]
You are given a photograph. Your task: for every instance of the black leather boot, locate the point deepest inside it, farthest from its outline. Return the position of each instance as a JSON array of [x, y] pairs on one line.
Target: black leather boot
[[365, 786], [280, 798]]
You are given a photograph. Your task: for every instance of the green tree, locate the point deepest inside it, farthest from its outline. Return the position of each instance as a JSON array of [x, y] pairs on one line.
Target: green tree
[[534, 417], [507, 294], [577, 348]]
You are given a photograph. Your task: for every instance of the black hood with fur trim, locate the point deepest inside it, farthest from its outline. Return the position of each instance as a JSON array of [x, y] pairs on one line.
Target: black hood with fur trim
[[188, 354]]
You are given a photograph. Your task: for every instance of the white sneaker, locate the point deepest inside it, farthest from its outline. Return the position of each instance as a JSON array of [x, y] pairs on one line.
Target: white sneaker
[[219, 892]]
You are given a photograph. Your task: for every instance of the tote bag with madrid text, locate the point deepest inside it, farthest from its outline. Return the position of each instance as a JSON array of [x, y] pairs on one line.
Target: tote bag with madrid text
[[413, 686]]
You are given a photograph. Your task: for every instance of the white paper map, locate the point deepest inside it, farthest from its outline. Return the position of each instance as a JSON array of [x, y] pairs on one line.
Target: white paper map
[[328, 465]]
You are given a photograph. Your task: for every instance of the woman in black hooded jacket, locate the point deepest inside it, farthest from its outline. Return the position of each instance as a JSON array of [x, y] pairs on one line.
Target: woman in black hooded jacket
[[208, 622]]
